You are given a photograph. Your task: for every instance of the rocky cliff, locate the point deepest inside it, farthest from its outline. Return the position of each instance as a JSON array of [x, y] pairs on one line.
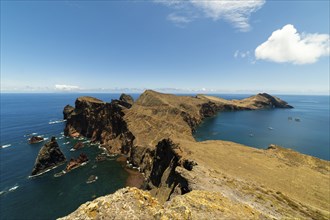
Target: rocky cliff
[[156, 134], [101, 122], [49, 156]]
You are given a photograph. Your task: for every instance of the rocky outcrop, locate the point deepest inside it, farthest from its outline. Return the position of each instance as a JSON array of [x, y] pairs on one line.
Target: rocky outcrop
[[68, 109], [74, 163], [35, 139], [78, 145], [126, 98], [132, 203], [101, 122], [49, 156]]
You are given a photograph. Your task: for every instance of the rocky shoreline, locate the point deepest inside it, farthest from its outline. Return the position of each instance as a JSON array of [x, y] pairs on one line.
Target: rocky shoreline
[[155, 134]]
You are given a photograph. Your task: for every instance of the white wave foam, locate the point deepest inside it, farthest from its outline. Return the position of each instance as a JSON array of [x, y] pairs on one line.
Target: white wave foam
[[13, 188], [67, 143], [46, 170], [28, 135], [6, 145], [84, 163], [56, 122]]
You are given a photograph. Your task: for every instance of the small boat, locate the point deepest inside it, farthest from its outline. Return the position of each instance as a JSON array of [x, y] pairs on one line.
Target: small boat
[[297, 119], [270, 128]]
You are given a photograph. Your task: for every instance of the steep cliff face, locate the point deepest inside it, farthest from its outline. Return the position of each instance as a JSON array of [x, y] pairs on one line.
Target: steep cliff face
[[101, 122], [68, 109], [49, 156]]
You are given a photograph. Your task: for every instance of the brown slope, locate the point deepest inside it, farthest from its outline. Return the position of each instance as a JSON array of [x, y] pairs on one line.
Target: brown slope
[[273, 182]]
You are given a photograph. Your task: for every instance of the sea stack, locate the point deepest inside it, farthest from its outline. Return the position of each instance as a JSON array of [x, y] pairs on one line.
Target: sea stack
[[49, 156]]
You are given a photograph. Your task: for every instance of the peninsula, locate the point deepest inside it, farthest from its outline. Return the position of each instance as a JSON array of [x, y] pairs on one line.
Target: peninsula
[[186, 179]]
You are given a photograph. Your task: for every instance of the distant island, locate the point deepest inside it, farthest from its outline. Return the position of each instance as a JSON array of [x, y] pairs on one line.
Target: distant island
[[186, 179]]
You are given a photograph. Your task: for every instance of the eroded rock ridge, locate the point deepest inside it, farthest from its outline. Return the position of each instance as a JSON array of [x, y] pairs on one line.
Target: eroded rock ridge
[[155, 132]]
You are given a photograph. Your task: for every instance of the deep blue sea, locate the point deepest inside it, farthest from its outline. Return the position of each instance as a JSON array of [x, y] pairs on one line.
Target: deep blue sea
[[46, 196], [309, 135], [49, 197]]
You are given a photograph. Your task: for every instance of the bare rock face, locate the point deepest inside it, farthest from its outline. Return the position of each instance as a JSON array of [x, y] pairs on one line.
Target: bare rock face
[[101, 122], [68, 109], [50, 155], [127, 203], [126, 98]]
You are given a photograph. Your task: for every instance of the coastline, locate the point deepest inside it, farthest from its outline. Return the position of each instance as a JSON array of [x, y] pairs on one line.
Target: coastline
[[156, 136]]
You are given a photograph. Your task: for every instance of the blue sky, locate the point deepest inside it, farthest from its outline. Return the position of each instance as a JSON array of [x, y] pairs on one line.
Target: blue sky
[[190, 46]]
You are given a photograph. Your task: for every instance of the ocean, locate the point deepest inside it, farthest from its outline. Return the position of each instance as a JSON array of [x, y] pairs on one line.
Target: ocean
[[309, 134], [46, 196], [49, 197]]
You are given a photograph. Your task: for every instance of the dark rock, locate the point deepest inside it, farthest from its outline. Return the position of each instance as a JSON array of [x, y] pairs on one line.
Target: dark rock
[[100, 158], [35, 139], [189, 164], [208, 109], [126, 98], [74, 163], [78, 145], [67, 111], [101, 122], [49, 156]]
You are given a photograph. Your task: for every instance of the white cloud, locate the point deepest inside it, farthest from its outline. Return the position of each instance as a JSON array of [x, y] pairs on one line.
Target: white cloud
[[178, 19], [241, 54], [235, 12], [66, 87], [287, 45]]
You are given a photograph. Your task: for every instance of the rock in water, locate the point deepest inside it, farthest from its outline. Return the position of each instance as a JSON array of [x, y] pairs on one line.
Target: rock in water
[[49, 156], [35, 139], [74, 163], [78, 145]]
